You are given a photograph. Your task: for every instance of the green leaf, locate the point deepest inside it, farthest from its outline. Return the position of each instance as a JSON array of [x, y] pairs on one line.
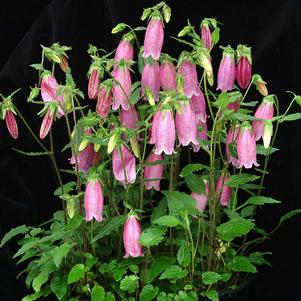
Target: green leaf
[[38, 67], [247, 211], [39, 281], [212, 295], [261, 200], [215, 36], [210, 278], [291, 117], [111, 224], [61, 252], [66, 188], [59, 286], [152, 236], [166, 220], [174, 271], [190, 168], [97, 293], [32, 154], [258, 258], [241, 117], [240, 179], [234, 228], [243, 264], [148, 293], [160, 210], [183, 255], [260, 150], [76, 273], [74, 223], [139, 28], [109, 297], [13, 232], [129, 283], [289, 215], [158, 266], [195, 183], [135, 96]]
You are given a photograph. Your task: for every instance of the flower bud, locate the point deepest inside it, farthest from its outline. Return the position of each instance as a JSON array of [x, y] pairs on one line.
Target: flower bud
[[206, 35], [153, 173], [222, 191], [71, 207], [151, 78], [46, 123], [131, 235], [64, 63], [11, 124], [244, 66], [267, 133], [166, 13], [226, 71], [34, 93], [135, 146], [260, 84], [104, 101], [112, 142], [93, 200], [93, 83]]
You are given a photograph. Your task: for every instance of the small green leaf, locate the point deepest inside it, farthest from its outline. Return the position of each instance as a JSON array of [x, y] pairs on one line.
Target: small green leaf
[[260, 150], [148, 293], [261, 200], [59, 286], [129, 283], [139, 28], [247, 211], [32, 154], [166, 220], [289, 215], [13, 232], [212, 295], [158, 266], [97, 293], [210, 278], [183, 255], [243, 264], [258, 258], [160, 210], [195, 183], [66, 188], [174, 271], [109, 297], [190, 168], [76, 273], [240, 179], [39, 281], [61, 252], [152, 236], [292, 117]]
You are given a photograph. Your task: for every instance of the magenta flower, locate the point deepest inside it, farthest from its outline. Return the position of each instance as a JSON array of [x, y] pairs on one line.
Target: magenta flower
[[199, 106], [153, 172], [244, 66], [11, 124], [163, 132], [129, 118], [153, 40], [124, 165], [201, 198], [93, 83], [188, 70], [125, 50], [201, 135], [206, 35], [168, 76], [222, 191], [131, 235], [104, 101], [93, 200], [151, 78], [122, 89], [46, 123], [264, 111], [186, 125], [50, 92], [246, 148], [226, 71], [232, 137]]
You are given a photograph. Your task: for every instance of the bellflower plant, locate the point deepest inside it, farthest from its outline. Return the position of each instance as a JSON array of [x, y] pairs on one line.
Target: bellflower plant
[[143, 219]]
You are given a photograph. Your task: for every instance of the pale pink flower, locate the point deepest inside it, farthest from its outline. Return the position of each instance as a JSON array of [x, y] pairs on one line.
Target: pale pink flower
[[153, 172]]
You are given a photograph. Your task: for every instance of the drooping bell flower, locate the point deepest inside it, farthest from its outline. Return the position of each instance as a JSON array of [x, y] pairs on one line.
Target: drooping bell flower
[[222, 191], [186, 125], [11, 124], [265, 111], [246, 147], [153, 173], [93, 201], [188, 70], [122, 88], [226, 70], [206, 34], [104, 101], [125, 49], [131, 235], [94, 79], [124, 165], [163, 132], [153, 40], [168, 75], [46, 123], [50, 92], [260, 84], [201, 135], [201, 198], [199, 106], [244, 66], [231, 138], [150, 78], [129, 118]]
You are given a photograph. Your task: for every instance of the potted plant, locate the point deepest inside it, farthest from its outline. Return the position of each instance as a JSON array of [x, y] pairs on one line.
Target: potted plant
[[139, 221]]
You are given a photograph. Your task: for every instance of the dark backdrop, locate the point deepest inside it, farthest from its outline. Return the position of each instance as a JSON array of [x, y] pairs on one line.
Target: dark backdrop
[[272, 28]]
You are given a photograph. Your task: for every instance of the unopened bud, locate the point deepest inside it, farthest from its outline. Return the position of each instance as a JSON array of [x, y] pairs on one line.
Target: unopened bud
[[119, 27], [83, 144], [135, 146], [184, 31], [267, 133], [146, 13], [260, 84], [166, 13], [71, 207], [33, 93], [149, 96], [112, 143]]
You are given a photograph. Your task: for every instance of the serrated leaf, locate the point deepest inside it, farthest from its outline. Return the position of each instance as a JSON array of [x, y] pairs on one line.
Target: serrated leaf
[[241, 117], [129, 283], [152, 236], [160, 210], [38, 67], [32, 154], [183, 255], [195, 183], [289, 215], [258, 258], [135, 96], [111, 225], [210, 278], [39, 281], [148, 293], [59, 286], [190, 168], [97, 293], [13, 232], [174, 271], [261, 200], [109, 297], [76, 273], [166, 220], [260, 150], [234, 228], [66, 188], [61, 252], [158, 266], [292, 117], [240, 179], [243, 264], [247, 211], [212, 295]]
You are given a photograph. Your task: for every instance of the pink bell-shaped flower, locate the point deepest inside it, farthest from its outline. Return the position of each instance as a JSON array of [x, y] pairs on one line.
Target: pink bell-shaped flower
[[244, 66], [93, 200], [201, 198], [246, 147], [153, 173], [125, 49], [151, 78], [163, 132], [168, 75], [226, 71], [199, 106], [131, 235], [124, 165], [188, 70], [206, 34], [232, 137], [46, 124], [123, 88], [222, 191], [129, 118], [264, 111], [104, 101], [153, 40], [11, 124], [50, 92], [186, 125], [93, 84], [201, 135]]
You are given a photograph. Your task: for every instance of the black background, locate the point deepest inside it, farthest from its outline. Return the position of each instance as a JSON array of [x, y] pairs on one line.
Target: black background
[[272, 28]]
